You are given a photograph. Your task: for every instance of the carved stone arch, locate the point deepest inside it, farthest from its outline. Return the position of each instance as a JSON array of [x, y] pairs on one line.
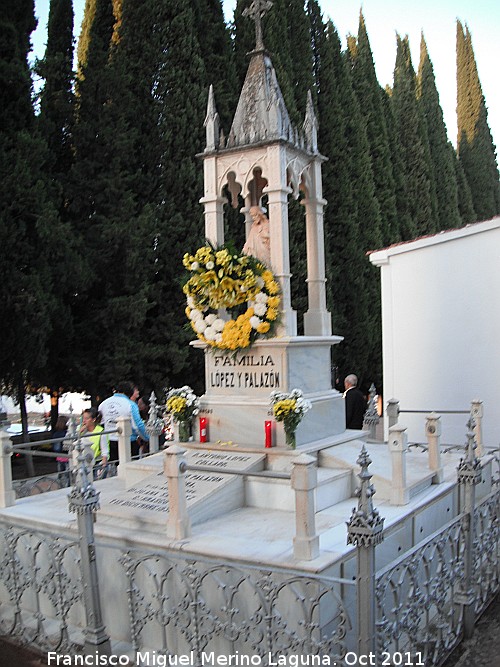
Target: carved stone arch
[[306, 185], [256, 185], [233, 187]]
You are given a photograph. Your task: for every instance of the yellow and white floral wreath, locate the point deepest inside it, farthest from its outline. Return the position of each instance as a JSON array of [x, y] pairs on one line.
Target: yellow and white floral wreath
[[223, 279]]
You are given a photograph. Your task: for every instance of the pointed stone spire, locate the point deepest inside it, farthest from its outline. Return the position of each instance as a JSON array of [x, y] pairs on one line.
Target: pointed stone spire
[[365, 527], [211, 123], [310, 126]]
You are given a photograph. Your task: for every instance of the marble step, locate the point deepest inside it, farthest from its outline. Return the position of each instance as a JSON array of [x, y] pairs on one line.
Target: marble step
[[418, 475], [333, 487]]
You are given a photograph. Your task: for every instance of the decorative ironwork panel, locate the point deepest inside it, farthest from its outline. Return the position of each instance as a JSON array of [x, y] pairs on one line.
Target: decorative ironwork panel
[[40, 589], [416, 611], [183, 606], [486, 561]]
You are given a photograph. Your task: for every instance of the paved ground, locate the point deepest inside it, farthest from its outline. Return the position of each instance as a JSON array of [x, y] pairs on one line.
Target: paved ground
[[482, 650]]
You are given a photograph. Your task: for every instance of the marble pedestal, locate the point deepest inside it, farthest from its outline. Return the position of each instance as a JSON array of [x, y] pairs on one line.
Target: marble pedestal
[[236, 401]]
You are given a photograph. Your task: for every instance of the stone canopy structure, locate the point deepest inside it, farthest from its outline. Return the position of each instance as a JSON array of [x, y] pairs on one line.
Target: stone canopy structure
[[266, 156]]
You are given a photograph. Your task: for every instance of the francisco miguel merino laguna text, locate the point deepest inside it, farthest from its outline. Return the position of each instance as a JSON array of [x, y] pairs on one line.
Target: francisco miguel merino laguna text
[[152, 659]]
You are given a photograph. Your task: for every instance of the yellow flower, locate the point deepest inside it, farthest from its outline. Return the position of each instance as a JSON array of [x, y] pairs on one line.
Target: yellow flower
[[176, 404], [271, 314], [272, 287], [263, 327], [273, 302]]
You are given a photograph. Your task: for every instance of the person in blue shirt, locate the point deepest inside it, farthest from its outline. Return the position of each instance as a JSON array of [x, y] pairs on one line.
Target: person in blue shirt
[[122, 404]]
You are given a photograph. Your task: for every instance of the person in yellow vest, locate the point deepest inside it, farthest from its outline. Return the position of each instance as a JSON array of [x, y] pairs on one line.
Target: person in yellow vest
[[99, 444]]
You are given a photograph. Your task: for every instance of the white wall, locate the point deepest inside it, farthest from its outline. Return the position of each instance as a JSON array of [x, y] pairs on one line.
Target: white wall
[[441, 327]]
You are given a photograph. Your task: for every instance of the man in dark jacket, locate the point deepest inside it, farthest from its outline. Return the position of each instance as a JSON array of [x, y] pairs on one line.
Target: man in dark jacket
[[355, 403]]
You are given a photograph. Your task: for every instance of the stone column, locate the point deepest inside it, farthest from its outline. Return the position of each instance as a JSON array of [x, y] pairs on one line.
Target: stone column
[[124, 449], [433, 433], [304, 482], [84, 501], [7, 493], [213, 203], [392, 411], [476, 412], [365, 531], [469, 476], [317, 320], [174, 467], [398, 446], [280, 255]]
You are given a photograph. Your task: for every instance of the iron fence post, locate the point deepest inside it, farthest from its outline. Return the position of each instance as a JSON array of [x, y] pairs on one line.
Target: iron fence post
[[365, 531], [84, 502], [469, 473], [7, 493], [476, 413]]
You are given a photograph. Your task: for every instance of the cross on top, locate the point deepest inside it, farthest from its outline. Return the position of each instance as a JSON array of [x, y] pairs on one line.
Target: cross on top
[[256, 11]]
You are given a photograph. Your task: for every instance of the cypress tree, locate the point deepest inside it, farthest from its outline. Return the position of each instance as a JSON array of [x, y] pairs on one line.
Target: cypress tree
[[442, 159], [27, 218], [465, 206], [369, 96], [181, 96], [352, 221], [475, 146], [216, 50], [106, 209], [413, 143], [56, 125]]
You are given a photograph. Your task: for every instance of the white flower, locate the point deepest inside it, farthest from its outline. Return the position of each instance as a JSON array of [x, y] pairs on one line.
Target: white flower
[[260, 281], [219, 324], [243, 288], [261, 297], [195, 314], [210, 319], [260, 309], [190, 301], [218, 337], [210, 333], [255, 321], [210, 265], [194, 266], [200, 326]]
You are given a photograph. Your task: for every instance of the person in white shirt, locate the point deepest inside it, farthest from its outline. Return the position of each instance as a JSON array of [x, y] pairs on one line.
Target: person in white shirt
[[122, 404]]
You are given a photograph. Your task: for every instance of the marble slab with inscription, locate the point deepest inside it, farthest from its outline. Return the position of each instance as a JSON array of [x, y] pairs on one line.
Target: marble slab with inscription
[[208, 494]]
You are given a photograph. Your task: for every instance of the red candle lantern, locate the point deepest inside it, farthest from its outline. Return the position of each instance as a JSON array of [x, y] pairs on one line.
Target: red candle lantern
[[203, 429], [268, 429]]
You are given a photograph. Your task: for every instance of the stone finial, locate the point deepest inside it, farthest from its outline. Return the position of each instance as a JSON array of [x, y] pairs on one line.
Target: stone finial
[[212, 122], [310, 126], [256, 11], [371, 418], [154, 425], [365, 527], [83, 498]]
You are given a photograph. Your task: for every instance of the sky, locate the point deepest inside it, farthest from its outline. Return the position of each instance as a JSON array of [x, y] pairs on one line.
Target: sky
[[384, 18]]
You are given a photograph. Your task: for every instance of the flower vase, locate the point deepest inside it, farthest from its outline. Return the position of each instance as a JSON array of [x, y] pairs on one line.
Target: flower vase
[[184, 431], [290, 437]]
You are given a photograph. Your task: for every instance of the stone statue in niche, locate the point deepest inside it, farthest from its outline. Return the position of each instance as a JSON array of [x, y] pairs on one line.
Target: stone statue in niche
[[258, 243]]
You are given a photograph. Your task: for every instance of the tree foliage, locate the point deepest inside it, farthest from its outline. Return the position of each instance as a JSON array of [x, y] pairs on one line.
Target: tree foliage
[[475, 146]]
